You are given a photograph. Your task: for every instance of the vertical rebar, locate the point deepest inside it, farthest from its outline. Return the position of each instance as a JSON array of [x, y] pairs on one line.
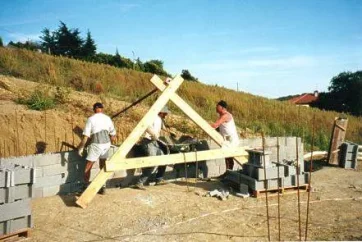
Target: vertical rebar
[[17, 134], [266, 186], [45, 126], [279, 187], [55, 139], [72, 131], [310, 177], [298, 191]]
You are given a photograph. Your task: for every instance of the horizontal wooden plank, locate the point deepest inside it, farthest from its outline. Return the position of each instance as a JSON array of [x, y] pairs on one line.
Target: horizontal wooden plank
[[150, 161]]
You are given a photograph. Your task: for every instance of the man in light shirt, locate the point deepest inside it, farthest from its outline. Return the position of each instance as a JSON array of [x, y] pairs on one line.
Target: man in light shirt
[[227, 128], [100, 130], [151, 147]]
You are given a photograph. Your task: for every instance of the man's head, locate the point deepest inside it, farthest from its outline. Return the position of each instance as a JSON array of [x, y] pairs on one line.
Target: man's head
[[164, 111], [98, 107], [221, 106]]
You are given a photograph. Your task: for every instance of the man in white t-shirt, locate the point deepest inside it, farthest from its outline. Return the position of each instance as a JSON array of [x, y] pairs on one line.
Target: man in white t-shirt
[[100, 129], [227, 128], [151, 147]]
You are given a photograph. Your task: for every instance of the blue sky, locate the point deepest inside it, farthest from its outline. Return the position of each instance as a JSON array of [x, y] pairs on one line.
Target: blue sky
[[270, 48]]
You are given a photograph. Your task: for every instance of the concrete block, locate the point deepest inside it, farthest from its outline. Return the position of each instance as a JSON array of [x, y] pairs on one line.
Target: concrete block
[[51, 190], [38, 172], [258, 173], [38, 192], [54, 169], [75, 176], [239, 178], [13, 225], [21, 160], [50, 181], [292, 180], [70, 156], [47, 159], [10, 194], [16, 209], [11, 175]]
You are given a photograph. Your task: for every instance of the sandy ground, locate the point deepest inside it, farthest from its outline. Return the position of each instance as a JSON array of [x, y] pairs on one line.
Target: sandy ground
[[174, 212]]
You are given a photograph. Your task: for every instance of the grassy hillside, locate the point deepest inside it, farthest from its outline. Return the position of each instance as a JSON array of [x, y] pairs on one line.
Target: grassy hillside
[[252, 112]]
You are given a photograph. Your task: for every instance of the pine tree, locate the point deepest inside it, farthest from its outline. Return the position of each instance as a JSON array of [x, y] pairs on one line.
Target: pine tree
[[89, 48]]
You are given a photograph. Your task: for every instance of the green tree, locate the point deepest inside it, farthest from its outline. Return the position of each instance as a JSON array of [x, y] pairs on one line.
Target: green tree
[[345, 94], [68, 41], [89, 47], [48, 43], [155, 67], [187, 76], [1, 42]]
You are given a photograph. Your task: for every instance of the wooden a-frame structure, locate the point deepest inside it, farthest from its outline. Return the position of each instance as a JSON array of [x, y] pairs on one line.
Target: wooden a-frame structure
[[119, 161]]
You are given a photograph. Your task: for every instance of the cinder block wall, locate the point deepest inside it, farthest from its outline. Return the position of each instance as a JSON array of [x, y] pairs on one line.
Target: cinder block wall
[[62, 173]]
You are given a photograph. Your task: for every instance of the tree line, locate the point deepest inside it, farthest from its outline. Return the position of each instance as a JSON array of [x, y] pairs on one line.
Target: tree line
[[68, 42]]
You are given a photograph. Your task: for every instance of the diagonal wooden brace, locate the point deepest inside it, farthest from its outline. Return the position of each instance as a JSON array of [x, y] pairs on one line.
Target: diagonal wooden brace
[[126, 146], [194, 116]]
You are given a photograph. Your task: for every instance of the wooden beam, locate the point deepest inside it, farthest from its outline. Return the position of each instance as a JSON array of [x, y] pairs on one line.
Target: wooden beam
[[126, 146], [151, 161], [193, 115]]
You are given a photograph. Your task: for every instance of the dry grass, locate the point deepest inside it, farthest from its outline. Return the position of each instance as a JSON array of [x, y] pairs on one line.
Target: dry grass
[[251, 112]]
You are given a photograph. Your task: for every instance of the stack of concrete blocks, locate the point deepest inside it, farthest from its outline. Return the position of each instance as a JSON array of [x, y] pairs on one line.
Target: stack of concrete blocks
[[252, 173], [348, 155], [16, 192]]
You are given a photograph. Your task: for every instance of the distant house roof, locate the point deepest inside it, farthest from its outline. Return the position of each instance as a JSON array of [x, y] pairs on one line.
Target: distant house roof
[[306, 98]]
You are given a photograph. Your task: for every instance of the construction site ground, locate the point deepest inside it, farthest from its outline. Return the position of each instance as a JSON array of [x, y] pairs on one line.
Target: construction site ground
[[177, 212]]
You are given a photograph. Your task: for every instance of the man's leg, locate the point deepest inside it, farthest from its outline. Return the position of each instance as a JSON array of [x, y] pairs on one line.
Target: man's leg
[[102, 163], [87, 171]]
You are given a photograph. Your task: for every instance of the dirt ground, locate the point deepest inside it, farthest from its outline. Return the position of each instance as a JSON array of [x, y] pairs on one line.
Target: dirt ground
[[175, 212]]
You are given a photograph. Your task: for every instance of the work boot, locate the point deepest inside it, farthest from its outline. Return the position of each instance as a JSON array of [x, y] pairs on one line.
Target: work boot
[[102, 191]]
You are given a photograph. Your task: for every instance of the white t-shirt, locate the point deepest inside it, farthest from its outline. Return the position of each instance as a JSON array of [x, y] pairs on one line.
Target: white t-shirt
[[99, 122], [228, 130], [155, 127]]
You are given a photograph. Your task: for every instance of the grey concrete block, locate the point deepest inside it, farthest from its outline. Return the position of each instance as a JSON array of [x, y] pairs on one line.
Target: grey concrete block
[[50, 181], [38, 192], [51, 190], [10, 194], [291, 181], [16, 209], [258, 173], [21, 160], [38, 172], [70, 156], [47, 159], [252, 183], [54, 169], [11, 175], [13, 225]]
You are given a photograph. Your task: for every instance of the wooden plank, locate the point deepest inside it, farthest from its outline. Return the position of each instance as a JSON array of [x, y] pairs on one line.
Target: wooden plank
[[17, 234], [193, 115], [337, 138], [150, 161], [126, 146]]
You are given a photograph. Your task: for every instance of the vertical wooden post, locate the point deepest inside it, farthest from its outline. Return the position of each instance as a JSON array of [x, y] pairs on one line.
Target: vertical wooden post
[[337, 138]]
